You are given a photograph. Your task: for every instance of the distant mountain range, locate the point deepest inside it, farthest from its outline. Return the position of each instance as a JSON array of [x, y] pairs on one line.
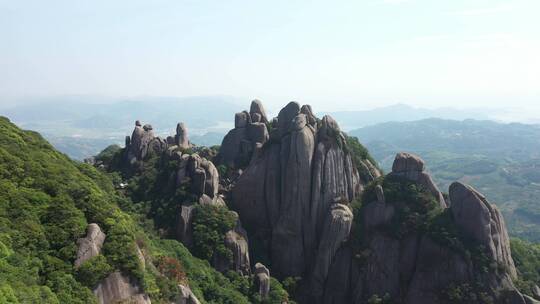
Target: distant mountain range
[[349, 120], [81, 126], [500, 160]]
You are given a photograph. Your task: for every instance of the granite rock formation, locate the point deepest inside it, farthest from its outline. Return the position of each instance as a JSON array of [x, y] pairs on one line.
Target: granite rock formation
[[249, 129], [117, 288], [89, 246], [295, 196], [262, 280], [186, 296], [288, 190], [412, 168]]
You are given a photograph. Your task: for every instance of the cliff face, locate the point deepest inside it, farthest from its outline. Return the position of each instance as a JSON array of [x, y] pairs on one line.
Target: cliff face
[[293, 179], [404, 241]]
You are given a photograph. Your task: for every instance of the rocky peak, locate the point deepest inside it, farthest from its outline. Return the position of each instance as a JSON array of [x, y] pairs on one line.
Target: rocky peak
[[287, 190], [412, 167], [181, 138], [249, 134], [483, 222], [256, 111]]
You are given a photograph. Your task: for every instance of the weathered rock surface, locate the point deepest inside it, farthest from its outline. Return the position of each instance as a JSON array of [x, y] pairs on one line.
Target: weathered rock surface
[[257, 109], [186, 296], [262, 280], [290, 185], [181, 137], [483, 222], [335, 232], [117, 288], [89, 246], [236, 240], [240, 143], [184, 227], [412, 168]]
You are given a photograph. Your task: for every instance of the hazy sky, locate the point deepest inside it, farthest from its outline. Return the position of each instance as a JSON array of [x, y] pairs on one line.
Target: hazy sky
[[333, 54]]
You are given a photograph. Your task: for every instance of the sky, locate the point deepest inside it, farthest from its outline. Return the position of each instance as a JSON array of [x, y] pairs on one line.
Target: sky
[[335, 55]]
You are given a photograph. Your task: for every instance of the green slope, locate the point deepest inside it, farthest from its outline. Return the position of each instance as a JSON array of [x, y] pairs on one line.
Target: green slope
[[46, 201]]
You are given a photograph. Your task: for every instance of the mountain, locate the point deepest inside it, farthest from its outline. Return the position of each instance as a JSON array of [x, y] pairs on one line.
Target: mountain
[[285, 210], [315, 211], [350, 120], [501, 160]]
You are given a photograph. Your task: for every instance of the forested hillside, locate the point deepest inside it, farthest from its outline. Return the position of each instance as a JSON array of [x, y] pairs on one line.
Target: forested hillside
[[46, 203]]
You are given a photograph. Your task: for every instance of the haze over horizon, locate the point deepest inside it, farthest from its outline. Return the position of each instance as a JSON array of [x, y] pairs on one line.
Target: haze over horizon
[[463, 54]]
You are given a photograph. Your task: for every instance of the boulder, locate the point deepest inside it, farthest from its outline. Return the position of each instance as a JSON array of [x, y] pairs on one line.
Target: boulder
[[242, 119], [257, 109], [230, 153], [186, 296], [117, 288], [412, 167], [296, 155], [89, 246], [257, 132]]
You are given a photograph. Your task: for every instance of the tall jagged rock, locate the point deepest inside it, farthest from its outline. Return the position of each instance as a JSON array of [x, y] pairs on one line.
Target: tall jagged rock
[[89, 246], [262, 280], [236, 240], [291, 183], [240, 143], [335, 232], [142, 143], [483, 222], [181, 137]]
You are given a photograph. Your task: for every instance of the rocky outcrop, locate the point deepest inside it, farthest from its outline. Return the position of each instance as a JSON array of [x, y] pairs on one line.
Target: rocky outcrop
[[256, 111], [483, 222], [262, 280], [181, 138], [291, 183], [184, 228], [89, 246], [143, 143], [117, 288], [335, 232], [186, 296], [412, 168], [249, 130], [236, 241], [200, 172]]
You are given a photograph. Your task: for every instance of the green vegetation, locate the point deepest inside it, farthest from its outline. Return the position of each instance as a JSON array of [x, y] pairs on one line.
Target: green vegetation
[[91, 272], [527, 260], [500, 160], [210, 223], [415, 208], [358, 151], [46, 201]]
